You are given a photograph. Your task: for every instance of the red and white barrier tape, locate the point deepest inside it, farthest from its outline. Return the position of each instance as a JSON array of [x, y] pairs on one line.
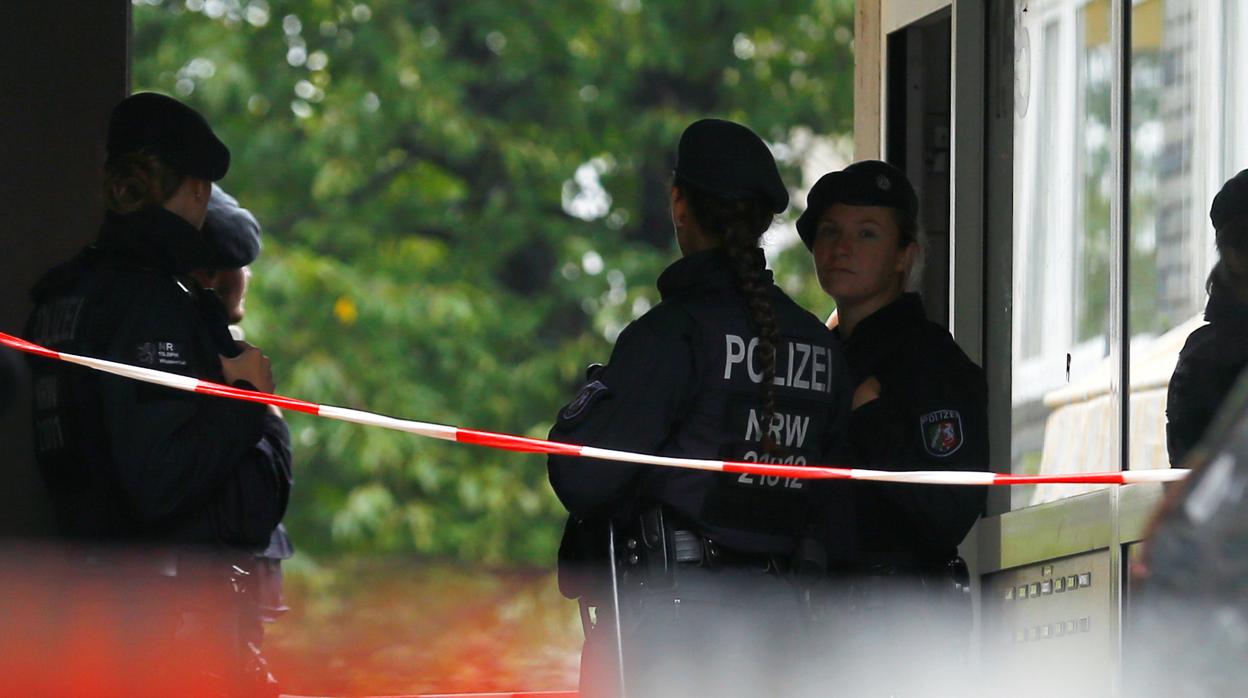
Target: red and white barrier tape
[[522, 444]]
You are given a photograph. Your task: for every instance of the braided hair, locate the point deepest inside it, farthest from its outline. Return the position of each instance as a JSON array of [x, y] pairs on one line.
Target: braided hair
[[738, 224]]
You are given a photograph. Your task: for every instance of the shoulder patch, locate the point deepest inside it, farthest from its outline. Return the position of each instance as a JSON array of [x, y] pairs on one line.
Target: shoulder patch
[[584, 399], [161, 354], [941, 431]]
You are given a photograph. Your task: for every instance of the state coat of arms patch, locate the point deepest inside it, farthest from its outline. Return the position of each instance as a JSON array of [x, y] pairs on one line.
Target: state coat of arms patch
[[588, 395], [942, 432]]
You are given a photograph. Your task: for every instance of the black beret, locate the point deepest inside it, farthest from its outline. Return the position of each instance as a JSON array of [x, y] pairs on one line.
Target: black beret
[[231, 231], [174, 132], [866, 183], [731, 161], [1231, 202]]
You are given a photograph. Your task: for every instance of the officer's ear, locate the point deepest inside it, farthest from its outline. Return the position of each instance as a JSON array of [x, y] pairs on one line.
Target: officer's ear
[[680, 207], [905, 261]]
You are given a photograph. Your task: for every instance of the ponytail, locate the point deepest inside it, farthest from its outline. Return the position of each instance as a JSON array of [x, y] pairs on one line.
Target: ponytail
[[739, 224]]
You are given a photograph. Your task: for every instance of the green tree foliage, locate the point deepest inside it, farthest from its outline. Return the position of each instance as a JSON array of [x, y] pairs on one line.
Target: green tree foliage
[[464, 202]]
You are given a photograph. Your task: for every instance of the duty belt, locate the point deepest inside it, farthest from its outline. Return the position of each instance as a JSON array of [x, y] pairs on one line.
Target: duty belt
[[652, 549], [694, 548]]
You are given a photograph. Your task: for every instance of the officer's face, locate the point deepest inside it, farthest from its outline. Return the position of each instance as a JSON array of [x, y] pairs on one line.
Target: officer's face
[[857, 255], [231, 286]]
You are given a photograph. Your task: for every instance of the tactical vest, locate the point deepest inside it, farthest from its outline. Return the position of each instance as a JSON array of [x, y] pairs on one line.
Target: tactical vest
[[725, 420]]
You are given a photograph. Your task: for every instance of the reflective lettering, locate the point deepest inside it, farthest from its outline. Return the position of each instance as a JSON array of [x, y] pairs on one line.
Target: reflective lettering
[[807, 366], [736, 353], [57, 322], [819, 364], [795, 426], [752, 430], [788, 483], [803, 353], [786, 429], [749, 362]]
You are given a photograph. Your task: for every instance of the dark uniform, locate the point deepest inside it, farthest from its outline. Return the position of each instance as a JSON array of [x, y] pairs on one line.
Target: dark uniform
[[931, 415], [705, 603], [1215, 355], [680, 383], [234, 234], [132, 462], [909, 594], [1212, 360], [143, 468]]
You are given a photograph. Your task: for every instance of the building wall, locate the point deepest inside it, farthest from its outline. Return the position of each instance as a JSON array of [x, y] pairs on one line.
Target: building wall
[[63, 68]]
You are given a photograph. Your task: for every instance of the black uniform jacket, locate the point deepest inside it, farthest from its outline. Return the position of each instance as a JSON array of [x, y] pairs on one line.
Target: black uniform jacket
[[130, 461], [1211, 361], [680, 382], [931, 415]]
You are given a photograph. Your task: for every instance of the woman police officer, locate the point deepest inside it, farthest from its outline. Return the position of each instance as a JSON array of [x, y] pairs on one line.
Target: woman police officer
[[726, 367], [919, 402], [127, 463]]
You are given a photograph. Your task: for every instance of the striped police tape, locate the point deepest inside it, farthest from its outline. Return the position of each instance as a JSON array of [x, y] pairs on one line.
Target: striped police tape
[[522, 444]]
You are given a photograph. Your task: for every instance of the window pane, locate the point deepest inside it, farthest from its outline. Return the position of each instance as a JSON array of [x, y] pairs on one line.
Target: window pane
[[1064, 415], [1186, 114]]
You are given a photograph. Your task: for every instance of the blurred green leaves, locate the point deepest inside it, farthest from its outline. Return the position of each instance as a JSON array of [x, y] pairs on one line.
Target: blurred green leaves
[[463, 203]]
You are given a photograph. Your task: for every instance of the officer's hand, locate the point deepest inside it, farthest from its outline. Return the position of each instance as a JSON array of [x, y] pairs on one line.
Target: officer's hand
[[869, 390], [251, 366]]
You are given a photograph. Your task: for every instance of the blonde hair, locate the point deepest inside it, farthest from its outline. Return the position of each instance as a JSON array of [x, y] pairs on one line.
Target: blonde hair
[[909, 232], [138, 180]]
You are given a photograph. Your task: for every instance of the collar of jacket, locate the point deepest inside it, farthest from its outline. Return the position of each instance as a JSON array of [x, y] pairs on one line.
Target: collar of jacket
[[881, 333], [154, 238], [1224, 307], [707, 269]]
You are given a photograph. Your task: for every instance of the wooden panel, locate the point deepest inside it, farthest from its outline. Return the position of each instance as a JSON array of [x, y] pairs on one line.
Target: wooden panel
[[868, 68]]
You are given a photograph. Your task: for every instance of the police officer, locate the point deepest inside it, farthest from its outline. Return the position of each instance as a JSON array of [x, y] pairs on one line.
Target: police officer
[[128, 462], [919, 403], [233, 233], [1215, 354], [726, 366]]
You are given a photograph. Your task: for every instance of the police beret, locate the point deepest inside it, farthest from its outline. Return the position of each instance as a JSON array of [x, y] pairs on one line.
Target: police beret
[[231, 231], [1231, 202], [729, 160], [174, 132], [865, 183]]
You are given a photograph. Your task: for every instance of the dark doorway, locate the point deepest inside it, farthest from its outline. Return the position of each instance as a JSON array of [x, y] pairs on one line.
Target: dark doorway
[[917, 128]]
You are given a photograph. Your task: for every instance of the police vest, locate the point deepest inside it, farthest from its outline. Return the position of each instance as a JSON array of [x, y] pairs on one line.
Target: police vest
[[725, 420]]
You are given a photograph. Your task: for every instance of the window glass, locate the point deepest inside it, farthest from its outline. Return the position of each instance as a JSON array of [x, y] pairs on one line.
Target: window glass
[[1186, 116], [1185, 107], [1064, 415]]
